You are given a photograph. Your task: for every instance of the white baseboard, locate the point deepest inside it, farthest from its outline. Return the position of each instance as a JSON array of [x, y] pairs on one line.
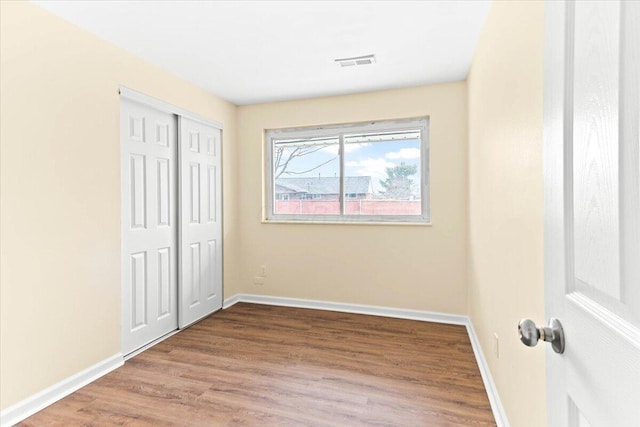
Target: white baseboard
[[492, 392], [372, 310], [401, 313], [229, 302], [29, 406]]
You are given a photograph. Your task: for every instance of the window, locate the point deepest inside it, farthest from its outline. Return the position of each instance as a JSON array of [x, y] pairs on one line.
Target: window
[[366, 172]]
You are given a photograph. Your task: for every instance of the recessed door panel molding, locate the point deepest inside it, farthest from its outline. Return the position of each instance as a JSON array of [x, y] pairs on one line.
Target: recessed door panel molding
[[212, 142], [195, 274], [592, 210], [194, 141], [630, 154], [164, 192], [212, 256], [194, 192], [200, 224], [138, 180], [165, 282], [139, 290], [162, 133], [595, 146], [149, 225], [212, 193], [576, 418], [136, 128]]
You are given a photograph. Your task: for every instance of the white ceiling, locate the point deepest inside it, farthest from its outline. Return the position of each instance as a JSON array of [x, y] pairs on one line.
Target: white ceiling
[[261, 51]]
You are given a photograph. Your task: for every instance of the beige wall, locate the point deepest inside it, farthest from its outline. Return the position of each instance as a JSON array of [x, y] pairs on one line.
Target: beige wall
[[60, 193], [417, 267], [506, 202], [60, 201]]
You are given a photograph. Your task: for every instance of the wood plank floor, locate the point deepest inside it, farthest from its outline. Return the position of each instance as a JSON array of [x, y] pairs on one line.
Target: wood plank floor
[[260, 365]]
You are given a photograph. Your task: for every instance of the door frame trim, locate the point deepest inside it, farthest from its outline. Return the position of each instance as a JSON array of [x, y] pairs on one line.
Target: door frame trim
[[557, 122]]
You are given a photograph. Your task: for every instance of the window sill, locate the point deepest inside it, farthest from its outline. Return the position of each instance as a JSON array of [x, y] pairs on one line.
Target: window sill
[[376, 223]]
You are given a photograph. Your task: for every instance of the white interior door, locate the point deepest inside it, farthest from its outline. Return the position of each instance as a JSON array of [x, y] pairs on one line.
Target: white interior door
[[592, 210], [149, 224], [201, 221]]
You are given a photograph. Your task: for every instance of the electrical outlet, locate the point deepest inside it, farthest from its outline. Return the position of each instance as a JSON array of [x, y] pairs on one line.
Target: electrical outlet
[[496, 345], [263, 270], [258, 280]]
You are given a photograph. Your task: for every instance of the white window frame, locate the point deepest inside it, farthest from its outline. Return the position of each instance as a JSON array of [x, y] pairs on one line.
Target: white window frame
[[421, 123]]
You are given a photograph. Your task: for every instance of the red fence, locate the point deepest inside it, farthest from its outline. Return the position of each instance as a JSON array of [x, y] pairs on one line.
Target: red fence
[[352, 207]]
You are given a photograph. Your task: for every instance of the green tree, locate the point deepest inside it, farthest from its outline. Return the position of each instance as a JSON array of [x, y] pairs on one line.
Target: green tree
[[398, 184]]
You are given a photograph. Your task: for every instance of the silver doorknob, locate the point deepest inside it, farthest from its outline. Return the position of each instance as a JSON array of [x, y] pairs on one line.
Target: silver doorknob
[[530, 334]]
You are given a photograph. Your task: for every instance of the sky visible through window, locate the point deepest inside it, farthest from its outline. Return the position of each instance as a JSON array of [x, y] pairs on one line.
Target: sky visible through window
[[361, 159]]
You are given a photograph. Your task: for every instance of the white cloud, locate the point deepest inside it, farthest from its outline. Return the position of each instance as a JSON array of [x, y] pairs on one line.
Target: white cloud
[[348, 148], [404, 153], [331, 149], [375, 168]]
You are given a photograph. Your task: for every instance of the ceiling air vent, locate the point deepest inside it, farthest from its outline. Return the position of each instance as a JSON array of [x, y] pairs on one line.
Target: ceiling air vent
[[358, 60]]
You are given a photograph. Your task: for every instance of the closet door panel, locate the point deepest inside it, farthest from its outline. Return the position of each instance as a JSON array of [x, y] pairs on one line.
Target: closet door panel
[[201, 225], [149, 225]]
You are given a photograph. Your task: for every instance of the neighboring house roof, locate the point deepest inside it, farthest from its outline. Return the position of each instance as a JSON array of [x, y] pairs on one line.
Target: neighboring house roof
[[324, 185]]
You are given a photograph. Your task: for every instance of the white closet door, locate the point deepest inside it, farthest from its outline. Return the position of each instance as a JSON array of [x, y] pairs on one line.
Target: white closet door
[[200, 220], [149, 225]]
